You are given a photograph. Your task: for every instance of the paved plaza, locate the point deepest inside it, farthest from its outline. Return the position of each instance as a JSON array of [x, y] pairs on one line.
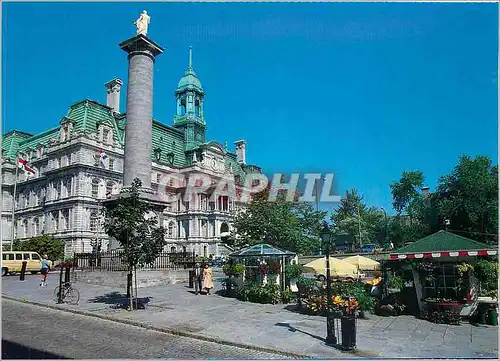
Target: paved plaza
[[279, 327]]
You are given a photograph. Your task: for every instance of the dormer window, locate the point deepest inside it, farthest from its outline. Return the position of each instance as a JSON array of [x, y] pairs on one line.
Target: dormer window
[[64, 133], [170, 158], [39, 151], [158, 154], [106, 135]]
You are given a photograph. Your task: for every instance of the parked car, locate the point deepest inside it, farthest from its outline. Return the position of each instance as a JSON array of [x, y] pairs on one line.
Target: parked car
[[368, 248], [12, 262]]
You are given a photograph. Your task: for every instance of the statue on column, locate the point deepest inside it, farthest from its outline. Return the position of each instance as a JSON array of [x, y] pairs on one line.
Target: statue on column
[[142, 23]]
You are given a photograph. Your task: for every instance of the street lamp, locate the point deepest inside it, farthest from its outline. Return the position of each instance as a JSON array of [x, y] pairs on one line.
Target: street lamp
[[326, 237]]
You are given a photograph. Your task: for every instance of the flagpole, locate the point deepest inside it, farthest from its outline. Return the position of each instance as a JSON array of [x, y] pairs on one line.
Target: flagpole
[[14, 205]]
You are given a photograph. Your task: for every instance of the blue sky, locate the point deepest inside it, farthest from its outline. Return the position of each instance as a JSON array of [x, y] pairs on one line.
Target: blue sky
[[362, 90]]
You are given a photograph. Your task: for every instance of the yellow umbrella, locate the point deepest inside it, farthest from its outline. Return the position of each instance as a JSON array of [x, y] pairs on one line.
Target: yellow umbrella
[[337, 266], [363, 263]]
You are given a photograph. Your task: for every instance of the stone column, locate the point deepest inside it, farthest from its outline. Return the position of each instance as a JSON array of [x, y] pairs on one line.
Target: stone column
[[142, 52]]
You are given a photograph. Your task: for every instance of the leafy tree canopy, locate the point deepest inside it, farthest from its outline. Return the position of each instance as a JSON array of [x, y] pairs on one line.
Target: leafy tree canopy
[[46, 244], [135, 226], [290, 225], [353, 217]]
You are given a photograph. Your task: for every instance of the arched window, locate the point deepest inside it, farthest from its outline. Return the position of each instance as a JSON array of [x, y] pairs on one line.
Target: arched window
[[205, 251], [172, 249], [224, 229], [95, 188], [183, 107], [93, 221], [197, 107]]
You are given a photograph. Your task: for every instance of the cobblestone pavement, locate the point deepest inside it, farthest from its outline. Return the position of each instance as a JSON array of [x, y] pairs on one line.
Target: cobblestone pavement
[[275, 326], [65, 335]]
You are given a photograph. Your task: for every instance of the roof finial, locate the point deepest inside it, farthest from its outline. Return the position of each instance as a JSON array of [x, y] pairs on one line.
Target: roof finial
[[190, 57]]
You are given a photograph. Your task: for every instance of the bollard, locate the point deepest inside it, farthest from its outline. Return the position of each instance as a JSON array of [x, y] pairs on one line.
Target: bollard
[[59, 294], [67, 275], [191, 279], [23, 271]]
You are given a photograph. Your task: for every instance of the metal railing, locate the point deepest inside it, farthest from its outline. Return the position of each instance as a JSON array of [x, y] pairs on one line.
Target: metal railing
[[114, 261]]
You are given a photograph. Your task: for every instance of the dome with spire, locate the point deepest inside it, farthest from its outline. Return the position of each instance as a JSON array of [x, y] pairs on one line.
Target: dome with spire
[[189, 80]]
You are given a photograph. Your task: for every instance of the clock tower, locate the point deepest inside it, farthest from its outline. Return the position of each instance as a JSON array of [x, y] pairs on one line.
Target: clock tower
[[189, 115]]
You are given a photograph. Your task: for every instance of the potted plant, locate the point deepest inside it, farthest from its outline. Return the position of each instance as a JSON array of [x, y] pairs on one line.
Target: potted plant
[[292, 273], [395, 284], [347, 307]]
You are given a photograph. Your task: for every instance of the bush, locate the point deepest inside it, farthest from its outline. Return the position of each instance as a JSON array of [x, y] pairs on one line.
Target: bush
[[293, 271], [487, 274], [53, 248], [396, 282], [306, 286], [233, 270], [254, 292]]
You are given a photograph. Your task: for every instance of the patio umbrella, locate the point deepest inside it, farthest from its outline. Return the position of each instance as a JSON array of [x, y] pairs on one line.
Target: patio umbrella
[[337, 266], [363, 263]]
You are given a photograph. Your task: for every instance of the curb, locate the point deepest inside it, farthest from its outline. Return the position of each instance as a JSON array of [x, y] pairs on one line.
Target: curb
[[161, 329]]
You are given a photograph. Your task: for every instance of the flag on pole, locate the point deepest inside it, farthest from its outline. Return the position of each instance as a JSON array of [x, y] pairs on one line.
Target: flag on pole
[[101, 158], [23, 164]]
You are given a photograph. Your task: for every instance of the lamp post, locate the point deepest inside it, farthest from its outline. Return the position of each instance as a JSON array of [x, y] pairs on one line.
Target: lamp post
[[326, 237]]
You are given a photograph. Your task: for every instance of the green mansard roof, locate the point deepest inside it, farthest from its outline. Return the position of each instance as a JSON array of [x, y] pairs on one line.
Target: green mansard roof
[[87, 114], [443, 241]]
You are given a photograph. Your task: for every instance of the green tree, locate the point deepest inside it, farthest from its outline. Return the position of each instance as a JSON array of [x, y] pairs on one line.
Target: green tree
[[43, 245], [354, 218], [468, 198], [291, 225], [132, 223], [406, 190]]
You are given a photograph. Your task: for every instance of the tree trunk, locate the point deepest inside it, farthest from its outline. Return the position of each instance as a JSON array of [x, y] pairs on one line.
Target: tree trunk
[[129, 286], [135, 276]]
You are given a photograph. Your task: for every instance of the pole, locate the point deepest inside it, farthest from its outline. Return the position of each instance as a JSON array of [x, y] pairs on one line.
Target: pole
[[385, 232], [14, 205], [59, 293], [359, 226], [330, 320], [23, 271]]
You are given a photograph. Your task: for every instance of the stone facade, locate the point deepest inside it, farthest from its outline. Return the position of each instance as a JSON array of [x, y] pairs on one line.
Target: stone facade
[[65, 196]]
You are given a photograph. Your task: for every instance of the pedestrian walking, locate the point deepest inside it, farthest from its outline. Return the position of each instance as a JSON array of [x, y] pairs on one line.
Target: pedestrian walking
[[198, 278], [208, 280], [44, 271]]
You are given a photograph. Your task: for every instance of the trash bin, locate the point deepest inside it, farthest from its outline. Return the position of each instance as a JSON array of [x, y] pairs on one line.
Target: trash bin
[[492, 316], [191, 279], [348, 330]]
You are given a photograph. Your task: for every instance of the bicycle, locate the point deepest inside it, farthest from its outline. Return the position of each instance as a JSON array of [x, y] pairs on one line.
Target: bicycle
[[69, 294]]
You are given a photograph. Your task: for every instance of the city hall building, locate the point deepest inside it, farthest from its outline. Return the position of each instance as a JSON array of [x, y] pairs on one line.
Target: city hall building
[[79, 164]]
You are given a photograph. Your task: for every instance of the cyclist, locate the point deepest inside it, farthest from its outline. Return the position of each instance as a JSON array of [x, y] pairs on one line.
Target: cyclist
[[44, 271]]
